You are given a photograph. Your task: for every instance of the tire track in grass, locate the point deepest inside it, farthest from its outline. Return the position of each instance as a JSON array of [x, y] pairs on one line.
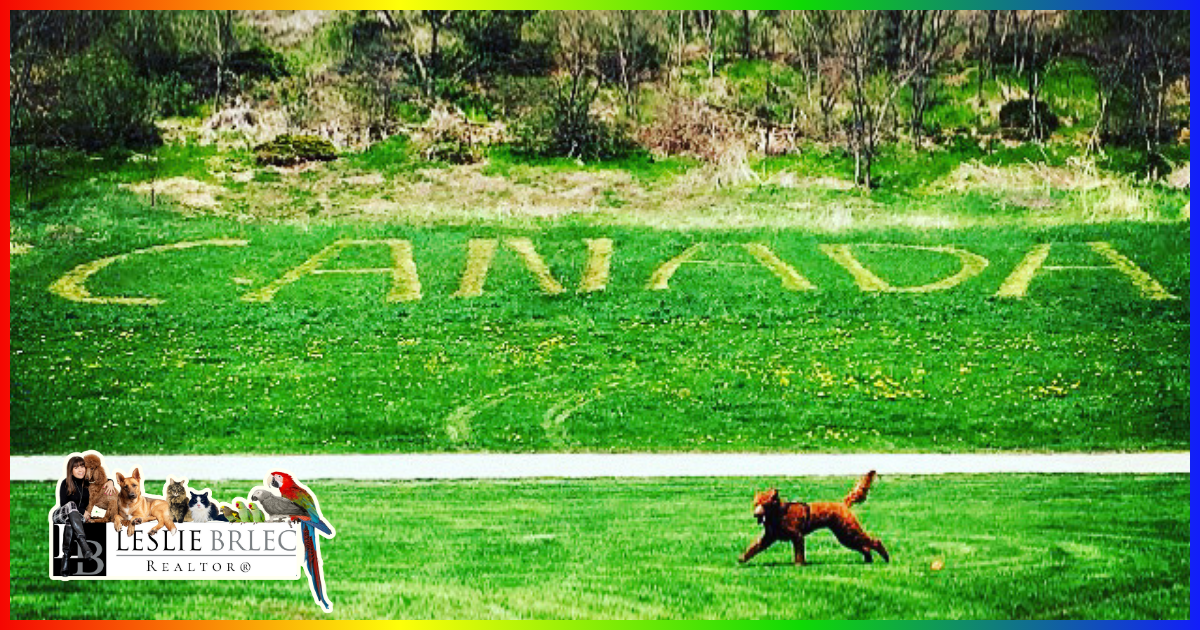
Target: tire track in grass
[[552, 420], [555, 417], [458, 422]]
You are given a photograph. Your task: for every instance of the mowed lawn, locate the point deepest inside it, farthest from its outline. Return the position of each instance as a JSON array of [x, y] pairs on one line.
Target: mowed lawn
[[1041, 546], [726, 358]]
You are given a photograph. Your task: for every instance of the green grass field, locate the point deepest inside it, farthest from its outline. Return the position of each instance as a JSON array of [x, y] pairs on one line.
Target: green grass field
[[1048, 546], [770, 337], [725, 359], [763, 341]]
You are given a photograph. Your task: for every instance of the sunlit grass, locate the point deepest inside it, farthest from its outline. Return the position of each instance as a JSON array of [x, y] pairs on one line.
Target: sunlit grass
[[726, 359], [1012, 547]]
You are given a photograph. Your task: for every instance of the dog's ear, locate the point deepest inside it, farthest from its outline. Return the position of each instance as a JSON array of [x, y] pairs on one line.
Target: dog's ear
[[137, 475], [120, 478]]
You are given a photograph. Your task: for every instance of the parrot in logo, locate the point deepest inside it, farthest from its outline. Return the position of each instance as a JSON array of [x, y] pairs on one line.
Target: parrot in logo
[[310, 523], [277, 508], [256, 514], [230, 515], [243, 512]]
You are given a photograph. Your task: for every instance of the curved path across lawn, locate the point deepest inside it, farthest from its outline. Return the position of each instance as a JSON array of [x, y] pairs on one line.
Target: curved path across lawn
[[584, 465]]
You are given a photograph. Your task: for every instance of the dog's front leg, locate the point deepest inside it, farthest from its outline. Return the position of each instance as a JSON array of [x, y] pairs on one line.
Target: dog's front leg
[[798, 548], [752, 550]]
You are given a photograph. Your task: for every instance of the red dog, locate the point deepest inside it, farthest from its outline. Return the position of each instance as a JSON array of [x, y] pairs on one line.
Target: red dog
[[793, 521]]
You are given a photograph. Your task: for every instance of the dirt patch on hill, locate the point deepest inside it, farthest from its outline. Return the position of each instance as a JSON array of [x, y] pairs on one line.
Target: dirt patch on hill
[[1022, 177], [185, 191], [547, 194], [284, 29]]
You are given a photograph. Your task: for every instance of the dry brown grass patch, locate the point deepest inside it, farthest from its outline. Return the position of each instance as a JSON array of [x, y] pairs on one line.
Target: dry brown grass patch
[[184, 191]]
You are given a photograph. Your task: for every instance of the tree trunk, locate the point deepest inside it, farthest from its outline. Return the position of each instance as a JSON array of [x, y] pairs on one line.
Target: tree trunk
[[870, 157], [434, 54], [746, 47]]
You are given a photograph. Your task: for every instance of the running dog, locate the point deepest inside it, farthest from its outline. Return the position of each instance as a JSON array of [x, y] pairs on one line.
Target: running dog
[[134, 508], [793, 521]]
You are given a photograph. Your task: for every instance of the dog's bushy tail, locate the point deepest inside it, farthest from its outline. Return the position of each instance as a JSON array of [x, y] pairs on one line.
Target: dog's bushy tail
[[859, 493]]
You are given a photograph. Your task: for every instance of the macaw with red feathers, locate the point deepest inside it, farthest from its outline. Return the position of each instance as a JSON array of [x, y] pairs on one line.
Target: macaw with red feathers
[[310, 523]]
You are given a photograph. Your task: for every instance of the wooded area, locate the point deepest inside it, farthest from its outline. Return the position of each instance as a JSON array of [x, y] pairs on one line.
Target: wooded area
[[596, 85]]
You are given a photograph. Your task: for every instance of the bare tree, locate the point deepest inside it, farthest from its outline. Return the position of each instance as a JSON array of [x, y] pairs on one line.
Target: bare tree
[[218, 44], [1030, 59], [921, 38], [707, 21], [578, 38], [810, 36], [985, 49], [747, 42], [634, 46], [1136, 56], [873, 86], [437, 21]]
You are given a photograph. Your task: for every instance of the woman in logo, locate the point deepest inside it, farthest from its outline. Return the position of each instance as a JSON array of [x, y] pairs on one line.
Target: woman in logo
[[73, 495]]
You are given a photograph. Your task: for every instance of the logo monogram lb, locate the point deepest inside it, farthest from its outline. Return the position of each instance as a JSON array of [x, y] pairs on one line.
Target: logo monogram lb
[[79, 557]]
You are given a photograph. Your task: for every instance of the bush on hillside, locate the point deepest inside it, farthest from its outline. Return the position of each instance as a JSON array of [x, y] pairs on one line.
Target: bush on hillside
[[1017, 119], [288, 150], [568, 128]]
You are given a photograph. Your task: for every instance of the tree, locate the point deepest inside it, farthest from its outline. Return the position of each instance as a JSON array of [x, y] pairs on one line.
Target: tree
[[812, 38], [1136, 56], [857, 37], [72, 86], [567, 127], [634, 48], [985, 51], [221, 43], [1035, 45], [707, 21], [437, 21], [493, 44], [747, 45], [920, 42]]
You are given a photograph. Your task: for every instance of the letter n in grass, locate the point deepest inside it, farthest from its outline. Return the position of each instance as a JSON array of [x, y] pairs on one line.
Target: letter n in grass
[[406, 287], [481, 251], [1017, 283]]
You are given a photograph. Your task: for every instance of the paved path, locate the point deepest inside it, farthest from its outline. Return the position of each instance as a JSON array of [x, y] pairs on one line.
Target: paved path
[[506, 466]]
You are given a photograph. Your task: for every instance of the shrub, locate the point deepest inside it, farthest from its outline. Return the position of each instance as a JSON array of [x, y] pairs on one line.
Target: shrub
[[90, 101], [685, 126], [567, 128], [257, 63], [1016, 119], [449, 136], [288, 149], [452, 152]]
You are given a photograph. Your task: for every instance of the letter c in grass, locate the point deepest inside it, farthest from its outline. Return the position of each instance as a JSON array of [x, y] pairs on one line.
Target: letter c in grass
[[71, 286]]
